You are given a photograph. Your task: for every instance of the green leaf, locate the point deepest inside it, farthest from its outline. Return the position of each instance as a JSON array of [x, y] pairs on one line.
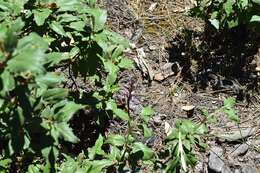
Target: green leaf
[[5, 163], [78, 26], [99, 17], [229, 102], [66, 18], [69, 5], [57, 27], [255, 18], [50, 79], [32, 41], [116, 140], [146, 113], [66, 132], [114, 153], [40, 15], [8, 81], [99, 165], [30, 61], [147, 152], [96, 149], [256, 1], [55, 94], [121, 114], [244, 3], [112, 70], [54, 58], [228, 7], [147, 131], [66, 112], [231, 114], [126, 63]]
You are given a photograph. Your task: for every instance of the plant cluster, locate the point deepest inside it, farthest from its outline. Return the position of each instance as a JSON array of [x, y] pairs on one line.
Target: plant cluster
[[37, 39], [226, 14]]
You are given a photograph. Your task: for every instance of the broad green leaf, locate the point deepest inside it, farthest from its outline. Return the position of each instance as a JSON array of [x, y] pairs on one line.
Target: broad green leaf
[[69, 166], [96, 149], [228, 7], [147, 152], [8, 81], [40, 15], [5, 163], [147, 131], [66, 132], [112, 70], [30, 61], [114, 154], [50, 79], [66, 112], [146, 113], [33, 41], [229, 102], [57, 27], [255, 18], [54, 58], [187, 144], [69, 5], [99, 17], [244, 3], [126, 63], [99, 165], [5, 6], [55, 94], [116, 140], [78, 26], [121, 114], [50, 154], [231, 114], [66, 18], [33, 169]]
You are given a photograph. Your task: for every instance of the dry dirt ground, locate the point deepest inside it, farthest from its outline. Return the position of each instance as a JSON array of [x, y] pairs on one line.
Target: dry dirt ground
[[155, 30]]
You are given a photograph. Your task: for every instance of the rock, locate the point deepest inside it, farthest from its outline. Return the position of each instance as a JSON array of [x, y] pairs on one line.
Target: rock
[[240, 150], [248, 169], [257, 158], [237, 171], [215, 162], [226, 169], [237, 134]]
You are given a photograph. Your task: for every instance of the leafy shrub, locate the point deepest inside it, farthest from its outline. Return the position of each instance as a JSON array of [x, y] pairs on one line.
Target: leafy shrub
[[37, 38], [225, 14]]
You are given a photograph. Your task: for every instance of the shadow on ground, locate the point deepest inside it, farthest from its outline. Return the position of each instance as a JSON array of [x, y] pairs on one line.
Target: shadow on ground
[[217, 60]]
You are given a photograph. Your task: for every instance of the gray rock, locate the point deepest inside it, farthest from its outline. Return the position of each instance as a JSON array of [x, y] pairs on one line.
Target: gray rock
[[215, 162], [237, 171], [240, 150], [257, 158], [226, 169], [248, 169]]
